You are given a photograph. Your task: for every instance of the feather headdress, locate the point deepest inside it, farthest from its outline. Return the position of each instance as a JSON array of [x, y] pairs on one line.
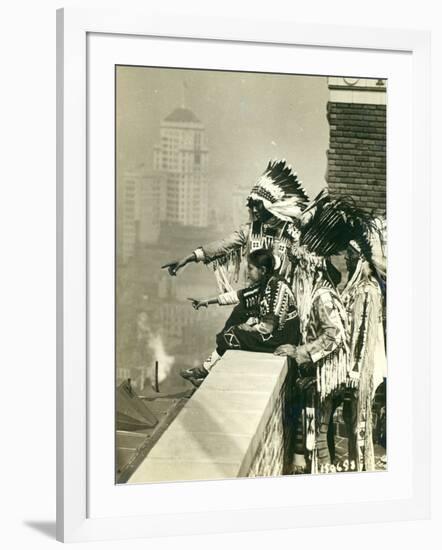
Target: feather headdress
[[328, 226], [374, 252], [280, 191]]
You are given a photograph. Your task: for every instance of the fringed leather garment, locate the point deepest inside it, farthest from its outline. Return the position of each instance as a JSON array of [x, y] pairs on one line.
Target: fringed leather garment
[[277, 238], [363, 300]]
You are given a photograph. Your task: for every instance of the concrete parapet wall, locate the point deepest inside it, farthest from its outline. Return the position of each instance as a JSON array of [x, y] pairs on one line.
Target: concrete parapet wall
[[269, 457], [231, 427]]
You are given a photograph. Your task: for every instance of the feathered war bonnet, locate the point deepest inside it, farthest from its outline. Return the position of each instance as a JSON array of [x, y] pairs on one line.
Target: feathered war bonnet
[[328, 226], [373, 252], [280, 191]]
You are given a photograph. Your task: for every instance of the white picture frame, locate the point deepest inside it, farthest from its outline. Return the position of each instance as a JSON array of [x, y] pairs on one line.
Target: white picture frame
[[81, 517]]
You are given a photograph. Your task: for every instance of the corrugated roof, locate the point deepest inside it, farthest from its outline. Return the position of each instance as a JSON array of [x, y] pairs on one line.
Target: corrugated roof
[[181, 114]]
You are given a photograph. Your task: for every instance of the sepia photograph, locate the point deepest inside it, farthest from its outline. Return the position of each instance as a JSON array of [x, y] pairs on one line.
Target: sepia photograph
[[250, 274]]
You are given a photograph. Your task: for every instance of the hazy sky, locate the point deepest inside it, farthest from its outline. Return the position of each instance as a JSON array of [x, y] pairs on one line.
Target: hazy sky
[[249, 119]]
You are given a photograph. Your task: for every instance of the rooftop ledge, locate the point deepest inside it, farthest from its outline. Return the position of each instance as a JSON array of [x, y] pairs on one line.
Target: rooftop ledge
[[231, 427]]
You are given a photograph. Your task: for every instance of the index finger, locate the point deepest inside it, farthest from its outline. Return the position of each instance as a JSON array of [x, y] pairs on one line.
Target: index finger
[[169, 264]]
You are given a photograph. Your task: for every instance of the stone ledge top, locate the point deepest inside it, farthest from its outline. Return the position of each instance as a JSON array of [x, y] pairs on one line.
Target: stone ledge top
[[216, 434]]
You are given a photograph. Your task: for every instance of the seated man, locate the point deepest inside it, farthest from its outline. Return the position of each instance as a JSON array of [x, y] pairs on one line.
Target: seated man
[[268, 315]]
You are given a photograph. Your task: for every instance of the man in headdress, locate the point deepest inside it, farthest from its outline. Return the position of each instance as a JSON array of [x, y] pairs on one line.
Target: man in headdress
[[275, 202], [327, 226], [362, 298]]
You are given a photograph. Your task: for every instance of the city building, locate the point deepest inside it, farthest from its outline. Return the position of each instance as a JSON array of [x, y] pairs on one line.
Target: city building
[[240, 213], [174, 192], [127, 216], [142, 196], [183, 155]]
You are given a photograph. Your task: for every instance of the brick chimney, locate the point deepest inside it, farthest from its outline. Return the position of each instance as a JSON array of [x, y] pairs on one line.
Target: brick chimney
[[356, 112]]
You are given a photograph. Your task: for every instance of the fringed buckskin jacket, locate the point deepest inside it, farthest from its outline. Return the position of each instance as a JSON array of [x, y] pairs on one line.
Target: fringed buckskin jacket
[[226, 254]]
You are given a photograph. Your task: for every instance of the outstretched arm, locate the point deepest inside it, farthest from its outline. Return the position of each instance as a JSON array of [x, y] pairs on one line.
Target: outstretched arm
[[222, 247], [197, 302], [226, 299], [211, 251], [175, 265]]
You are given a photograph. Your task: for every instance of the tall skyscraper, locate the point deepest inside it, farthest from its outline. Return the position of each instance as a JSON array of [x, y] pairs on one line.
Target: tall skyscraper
[[176, 190], [127, 216], [183, 155]]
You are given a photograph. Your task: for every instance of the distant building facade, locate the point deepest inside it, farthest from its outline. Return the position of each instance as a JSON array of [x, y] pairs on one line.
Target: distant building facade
[[183, 155], [127, 216], [142, 204], [174, 192], [240, 213]]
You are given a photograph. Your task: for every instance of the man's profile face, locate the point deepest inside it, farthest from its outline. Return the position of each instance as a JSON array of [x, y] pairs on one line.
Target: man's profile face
[[351, 260], [259, 211]]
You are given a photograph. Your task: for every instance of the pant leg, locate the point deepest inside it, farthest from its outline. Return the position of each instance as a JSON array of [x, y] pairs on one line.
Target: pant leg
[[301, 402], [304, 421], [337, 400], [237, 338], [349, 413], [237, 316], [325, 410], [298, 426], [255, 341]]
